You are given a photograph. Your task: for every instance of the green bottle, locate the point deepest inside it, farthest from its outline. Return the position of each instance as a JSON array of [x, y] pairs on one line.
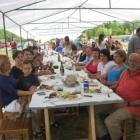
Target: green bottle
[[59, 57], [62, 68]]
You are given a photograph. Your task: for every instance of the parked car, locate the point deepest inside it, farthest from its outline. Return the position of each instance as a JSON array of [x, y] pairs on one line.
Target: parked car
[[21, 45], [3, 45], [125, 38]]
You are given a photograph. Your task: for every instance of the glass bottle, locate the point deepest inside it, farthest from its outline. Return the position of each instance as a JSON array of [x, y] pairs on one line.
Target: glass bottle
[[62, 68], [59, 59]]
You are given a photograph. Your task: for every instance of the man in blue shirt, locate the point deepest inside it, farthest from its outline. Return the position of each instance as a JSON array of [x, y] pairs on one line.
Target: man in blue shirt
[[88, 58]]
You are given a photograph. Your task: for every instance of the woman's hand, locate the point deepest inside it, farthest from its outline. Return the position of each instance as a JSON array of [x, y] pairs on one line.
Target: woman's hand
[[90, 75], [103, 81], [47, 72]]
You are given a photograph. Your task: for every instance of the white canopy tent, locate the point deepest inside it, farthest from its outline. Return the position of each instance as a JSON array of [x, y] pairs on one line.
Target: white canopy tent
[[45, 19]]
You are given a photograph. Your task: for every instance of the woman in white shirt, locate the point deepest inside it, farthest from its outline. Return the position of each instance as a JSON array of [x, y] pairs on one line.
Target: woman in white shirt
[[102, 42], [104, 65]]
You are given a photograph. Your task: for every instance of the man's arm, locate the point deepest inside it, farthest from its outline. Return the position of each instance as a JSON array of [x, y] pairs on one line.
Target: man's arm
[[137, 46], [134, 103]]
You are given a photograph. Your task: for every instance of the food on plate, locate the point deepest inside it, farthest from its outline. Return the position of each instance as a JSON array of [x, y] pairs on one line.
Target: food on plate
[[91, 91], [52, 77], [45, 87], [64, 92], [53, 95], [55, 87], [67, 96], [78, 69], [91, 83], [48, 87], [97, 90]]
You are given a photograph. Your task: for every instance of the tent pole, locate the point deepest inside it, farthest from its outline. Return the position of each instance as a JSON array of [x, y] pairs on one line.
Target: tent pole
[[21, 37], [27, 35], [110, 4], [25, 6], [5, 33], [79, 14], [68, 22], [133, 27]]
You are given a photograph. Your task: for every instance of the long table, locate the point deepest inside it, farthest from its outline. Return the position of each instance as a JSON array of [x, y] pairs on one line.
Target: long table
[[96, 99]]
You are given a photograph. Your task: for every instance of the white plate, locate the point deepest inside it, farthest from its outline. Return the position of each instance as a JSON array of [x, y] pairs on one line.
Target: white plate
[[95, 81], [46, 100], [79, 96]]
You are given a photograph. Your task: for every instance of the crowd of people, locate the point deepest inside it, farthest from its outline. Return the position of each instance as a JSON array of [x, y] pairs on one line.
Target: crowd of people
[[105, 60]]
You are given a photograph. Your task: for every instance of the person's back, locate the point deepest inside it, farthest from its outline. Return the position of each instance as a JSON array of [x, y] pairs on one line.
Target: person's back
[[77, 43], [67, 46], [133, 44]]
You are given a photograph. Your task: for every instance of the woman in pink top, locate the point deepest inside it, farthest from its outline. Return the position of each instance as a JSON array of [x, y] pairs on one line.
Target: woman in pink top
[[91, 67]]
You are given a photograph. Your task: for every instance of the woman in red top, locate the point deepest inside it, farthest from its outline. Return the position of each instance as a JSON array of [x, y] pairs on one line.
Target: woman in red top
[[92, 65]]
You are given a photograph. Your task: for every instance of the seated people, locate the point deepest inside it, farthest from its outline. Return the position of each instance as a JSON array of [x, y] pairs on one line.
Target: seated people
[[37, 62], [128, 89], [88, 58], [26, 81], [35, 50], [92, 65], [9, 94], [16, 70], [82, 55], [114, 73], [79, 51], [26, 57], [73, 47], [104, 65], [53, 46]]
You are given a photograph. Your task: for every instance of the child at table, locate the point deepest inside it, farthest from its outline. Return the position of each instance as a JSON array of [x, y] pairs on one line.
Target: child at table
[[24, 83], [37, 61]]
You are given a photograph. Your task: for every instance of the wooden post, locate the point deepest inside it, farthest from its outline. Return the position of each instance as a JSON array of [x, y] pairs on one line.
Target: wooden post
[[47, 124], [92, 134]]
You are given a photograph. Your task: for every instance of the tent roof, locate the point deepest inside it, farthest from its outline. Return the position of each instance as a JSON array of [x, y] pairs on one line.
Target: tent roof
[[57, 18]]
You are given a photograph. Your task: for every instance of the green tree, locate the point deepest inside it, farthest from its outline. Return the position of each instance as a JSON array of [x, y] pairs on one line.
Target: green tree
[[127, 32]]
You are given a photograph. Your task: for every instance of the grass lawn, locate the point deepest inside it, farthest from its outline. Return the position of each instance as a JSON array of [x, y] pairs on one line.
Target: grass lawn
[[3, 51], [74, 127]]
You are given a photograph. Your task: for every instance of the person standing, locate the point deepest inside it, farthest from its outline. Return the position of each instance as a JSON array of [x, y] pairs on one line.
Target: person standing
[[134, 43], [57, 42], [67, 46], [101, 42], [13, 46]]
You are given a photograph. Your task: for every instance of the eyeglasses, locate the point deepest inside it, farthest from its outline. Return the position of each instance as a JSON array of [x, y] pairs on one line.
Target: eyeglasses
[[134, 61], [116, 57]]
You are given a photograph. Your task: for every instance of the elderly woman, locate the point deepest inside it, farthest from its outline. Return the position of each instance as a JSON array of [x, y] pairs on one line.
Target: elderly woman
[[92, 65], [10, 95], [114, 73]]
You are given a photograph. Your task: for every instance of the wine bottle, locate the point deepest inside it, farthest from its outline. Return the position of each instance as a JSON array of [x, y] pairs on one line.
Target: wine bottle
[[59, 57], [62, 68]]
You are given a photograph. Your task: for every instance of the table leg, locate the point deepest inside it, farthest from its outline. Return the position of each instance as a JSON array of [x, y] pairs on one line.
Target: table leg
[[47, 124], [92, 134]]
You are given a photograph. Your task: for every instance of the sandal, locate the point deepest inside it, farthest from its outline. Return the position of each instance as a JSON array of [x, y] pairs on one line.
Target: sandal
[[43, 127], [39, 135], [29, 114], [19, 115], [56, 124], [70, 110]]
